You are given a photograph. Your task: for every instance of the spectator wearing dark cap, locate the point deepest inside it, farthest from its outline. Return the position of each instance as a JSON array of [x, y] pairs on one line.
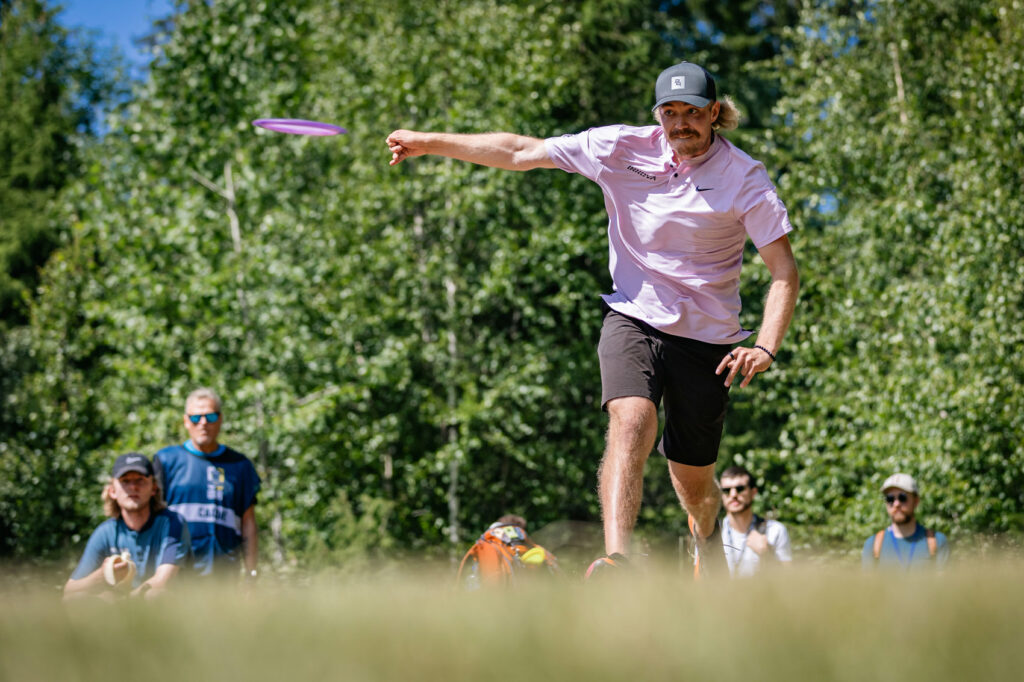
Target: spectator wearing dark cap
[[905, 543], [139, 548]]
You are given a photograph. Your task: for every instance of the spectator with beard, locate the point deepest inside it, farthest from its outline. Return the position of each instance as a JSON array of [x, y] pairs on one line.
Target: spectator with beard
[[905, 544], [750, 541]]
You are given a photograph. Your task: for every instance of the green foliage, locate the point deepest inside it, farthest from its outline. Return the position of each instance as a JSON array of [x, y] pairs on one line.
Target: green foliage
[[351, 539], [408, 352], [419, 338], [50, 82], [906, 352], [736, 41], [49, 467]]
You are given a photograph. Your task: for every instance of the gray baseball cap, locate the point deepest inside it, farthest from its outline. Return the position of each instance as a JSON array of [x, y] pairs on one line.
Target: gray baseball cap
[[685, 82], [904, 482]]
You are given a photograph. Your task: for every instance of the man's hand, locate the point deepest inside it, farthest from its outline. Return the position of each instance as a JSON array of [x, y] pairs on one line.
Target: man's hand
[[145, 590], [745, 361], [118, 571], [405, 144], [757, 542]]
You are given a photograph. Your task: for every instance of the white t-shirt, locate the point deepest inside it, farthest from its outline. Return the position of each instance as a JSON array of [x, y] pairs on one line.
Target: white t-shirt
[[742, 560], [676, 231]]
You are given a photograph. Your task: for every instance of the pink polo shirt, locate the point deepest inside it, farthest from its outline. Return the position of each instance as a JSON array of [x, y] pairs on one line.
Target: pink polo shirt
[[676, 234]]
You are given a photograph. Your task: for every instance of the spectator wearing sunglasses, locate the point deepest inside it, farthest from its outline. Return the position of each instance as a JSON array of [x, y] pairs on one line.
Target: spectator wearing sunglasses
[[214, 488], [750, 541], [905, 544]]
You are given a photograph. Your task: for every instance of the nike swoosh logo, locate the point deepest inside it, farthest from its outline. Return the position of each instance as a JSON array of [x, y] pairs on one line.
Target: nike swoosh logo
[[704, 189]]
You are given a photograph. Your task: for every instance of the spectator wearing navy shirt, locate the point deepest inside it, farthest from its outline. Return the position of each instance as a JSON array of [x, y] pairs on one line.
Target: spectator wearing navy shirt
[[214, 489], [140, 547]]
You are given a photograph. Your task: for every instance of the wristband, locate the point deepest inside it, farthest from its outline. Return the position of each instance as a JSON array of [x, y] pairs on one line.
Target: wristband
[[770, 354]]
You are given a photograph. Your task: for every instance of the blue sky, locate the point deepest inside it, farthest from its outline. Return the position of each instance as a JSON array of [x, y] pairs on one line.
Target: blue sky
[[119, 20]]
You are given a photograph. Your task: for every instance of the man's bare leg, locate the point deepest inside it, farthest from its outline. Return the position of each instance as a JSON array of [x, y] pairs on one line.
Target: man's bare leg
[[698, 492], [632, 428]]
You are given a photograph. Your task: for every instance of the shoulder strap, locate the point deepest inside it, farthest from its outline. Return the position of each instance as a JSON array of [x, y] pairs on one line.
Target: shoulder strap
[[879, 539], [492, 558], [760, 525], [933, 545]]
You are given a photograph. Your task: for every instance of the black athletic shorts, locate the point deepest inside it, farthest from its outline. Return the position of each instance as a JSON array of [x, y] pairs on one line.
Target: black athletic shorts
[[638, 360]]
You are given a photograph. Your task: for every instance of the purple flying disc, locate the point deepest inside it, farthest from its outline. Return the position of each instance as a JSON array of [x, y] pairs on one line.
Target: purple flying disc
[[298, 126]]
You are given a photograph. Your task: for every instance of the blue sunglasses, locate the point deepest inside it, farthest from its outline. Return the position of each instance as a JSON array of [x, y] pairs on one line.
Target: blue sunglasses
[[211, 417]]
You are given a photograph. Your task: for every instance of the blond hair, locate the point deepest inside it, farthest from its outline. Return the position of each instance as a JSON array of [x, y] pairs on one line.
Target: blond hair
[[728, 114], [112, 509]]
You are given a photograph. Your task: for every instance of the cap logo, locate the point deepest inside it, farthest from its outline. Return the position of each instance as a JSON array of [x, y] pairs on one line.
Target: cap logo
[[678, 82], [132, 460]]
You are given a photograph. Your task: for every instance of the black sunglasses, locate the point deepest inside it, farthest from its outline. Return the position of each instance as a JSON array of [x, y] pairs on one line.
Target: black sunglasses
[[211, 417], [891, 499], [738, 488]]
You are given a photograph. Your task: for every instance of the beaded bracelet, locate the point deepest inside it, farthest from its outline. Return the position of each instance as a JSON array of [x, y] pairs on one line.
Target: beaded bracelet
[[770, 354]]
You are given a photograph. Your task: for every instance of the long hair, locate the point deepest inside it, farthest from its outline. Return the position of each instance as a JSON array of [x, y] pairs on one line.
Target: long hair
[[112, 509], [728, 114]]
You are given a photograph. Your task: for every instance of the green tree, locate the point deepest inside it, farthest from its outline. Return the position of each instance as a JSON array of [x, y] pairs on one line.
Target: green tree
[[406, 352], [50, 83], [903, 155]]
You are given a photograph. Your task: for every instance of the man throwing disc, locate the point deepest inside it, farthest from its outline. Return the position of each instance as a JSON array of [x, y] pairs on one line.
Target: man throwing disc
[[681, 202]]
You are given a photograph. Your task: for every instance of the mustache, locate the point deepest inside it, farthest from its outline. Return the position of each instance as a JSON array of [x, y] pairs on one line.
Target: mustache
[[685, 132]]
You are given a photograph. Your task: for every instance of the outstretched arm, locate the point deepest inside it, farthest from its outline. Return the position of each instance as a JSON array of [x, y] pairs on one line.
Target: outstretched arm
[[91, 583], [95, 582], [158, 583], [497, 150], [778, 312]]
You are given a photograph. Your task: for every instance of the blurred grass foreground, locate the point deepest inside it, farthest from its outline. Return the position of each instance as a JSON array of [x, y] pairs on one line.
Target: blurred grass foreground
[[807, 623]]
